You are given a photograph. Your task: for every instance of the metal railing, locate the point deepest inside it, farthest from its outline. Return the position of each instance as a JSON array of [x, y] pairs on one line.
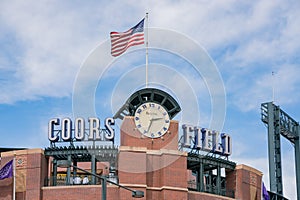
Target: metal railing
[[212, 189], [274, 196], [62, 180]]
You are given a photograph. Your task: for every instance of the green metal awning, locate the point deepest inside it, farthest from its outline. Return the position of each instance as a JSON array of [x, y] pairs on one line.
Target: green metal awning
[[84, 153]]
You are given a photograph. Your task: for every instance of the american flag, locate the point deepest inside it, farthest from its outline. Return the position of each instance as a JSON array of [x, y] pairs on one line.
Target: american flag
[[121, 41]]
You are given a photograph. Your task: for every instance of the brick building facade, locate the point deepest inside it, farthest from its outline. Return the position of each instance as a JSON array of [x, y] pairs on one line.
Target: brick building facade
[[157, 168]]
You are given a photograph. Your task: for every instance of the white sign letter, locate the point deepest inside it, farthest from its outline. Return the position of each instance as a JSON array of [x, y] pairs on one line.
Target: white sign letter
[[79, 129], [51, 136], [111, 132], [187, 135], [94, 128], [66, 129]]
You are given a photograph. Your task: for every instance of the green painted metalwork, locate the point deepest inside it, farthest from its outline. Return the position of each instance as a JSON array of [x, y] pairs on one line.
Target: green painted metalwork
[[93, 168], [84, 153], [54, 177], [280, 123], [77, 154], [148, 95], [204, 165], [68, 171]]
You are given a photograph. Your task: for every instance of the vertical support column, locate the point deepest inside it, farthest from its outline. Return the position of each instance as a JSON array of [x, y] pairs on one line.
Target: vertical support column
[[274, 149], [218, 180], [297, 162], [271, 147], [68, 171], [278, 170], [47, 179], [72, 179], [210, 182], [93, 168], [54, 177], [74, 169], [103, 188], [200, 177]]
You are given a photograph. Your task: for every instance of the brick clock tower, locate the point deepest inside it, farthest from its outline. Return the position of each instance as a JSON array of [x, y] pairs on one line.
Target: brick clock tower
[[149, 159]]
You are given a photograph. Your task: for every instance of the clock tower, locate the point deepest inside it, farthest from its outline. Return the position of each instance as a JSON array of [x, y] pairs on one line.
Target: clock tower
[[149, 158], [149, 122]]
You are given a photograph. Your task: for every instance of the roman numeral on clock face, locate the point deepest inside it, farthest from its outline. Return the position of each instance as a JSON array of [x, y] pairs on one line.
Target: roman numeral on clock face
[[152, 120]]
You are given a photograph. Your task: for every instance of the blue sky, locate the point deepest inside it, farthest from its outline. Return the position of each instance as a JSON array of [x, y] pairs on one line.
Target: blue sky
[[46, 44]]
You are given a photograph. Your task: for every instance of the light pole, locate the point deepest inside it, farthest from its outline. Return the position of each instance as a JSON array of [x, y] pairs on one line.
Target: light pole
[[68, 163]]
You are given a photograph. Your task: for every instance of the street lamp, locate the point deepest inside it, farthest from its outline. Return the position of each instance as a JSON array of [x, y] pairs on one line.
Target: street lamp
[[68, 163]]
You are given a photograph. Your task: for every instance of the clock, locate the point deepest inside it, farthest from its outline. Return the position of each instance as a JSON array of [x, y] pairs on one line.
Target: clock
[[152, 120]]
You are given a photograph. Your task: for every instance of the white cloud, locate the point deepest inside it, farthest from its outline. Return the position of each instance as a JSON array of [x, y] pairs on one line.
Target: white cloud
[[256, 88], [54, 39], [249, 40]]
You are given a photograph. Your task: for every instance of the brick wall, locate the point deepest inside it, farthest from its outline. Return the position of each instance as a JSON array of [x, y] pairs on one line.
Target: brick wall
[[31, 170], [130, 136], [6, 185], [231, 181], [246, 181], [206, 196], [161, 172], [86, 192]]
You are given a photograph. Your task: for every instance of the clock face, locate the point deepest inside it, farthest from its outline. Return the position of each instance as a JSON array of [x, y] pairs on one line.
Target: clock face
[[152, 120]]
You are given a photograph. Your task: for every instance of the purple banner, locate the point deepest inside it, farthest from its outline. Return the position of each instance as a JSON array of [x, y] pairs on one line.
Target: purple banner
[[265, 193], [7, 170]]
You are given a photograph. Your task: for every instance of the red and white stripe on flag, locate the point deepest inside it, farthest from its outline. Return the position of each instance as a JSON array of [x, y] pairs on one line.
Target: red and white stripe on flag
[[121, 41]]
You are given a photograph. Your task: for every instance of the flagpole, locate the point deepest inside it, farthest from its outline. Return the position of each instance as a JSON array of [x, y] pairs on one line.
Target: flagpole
[[146, 50], [14, 168], [273, 89]]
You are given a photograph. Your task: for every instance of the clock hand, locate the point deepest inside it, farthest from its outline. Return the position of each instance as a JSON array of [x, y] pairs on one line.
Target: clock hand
[[153, 119]]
